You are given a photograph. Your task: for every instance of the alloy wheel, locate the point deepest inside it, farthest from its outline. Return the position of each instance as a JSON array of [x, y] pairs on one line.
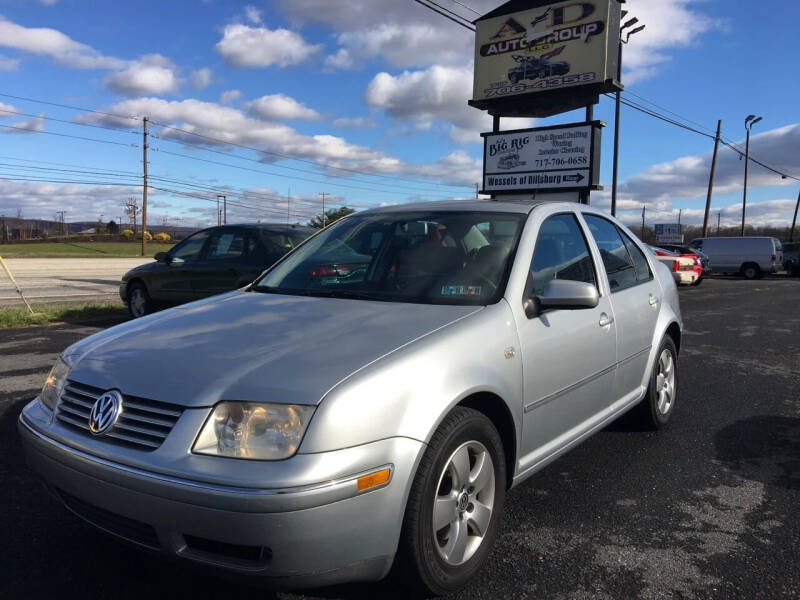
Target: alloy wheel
[[138, 302], [462, 508], [665, 381]]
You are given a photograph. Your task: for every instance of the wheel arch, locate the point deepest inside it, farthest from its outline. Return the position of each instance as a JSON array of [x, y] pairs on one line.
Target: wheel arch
[[674, 331], [133, 281], [494, 408]]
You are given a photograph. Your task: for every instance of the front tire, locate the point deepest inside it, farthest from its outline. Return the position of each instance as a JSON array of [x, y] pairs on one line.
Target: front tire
[[139, 302], [658, 404], [455, 504]]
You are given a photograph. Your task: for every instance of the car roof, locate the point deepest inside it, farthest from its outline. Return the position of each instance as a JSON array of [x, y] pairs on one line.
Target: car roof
[[267, 226], [470, 205]]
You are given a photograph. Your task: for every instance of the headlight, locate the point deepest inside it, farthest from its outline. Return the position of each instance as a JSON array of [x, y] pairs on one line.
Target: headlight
[[255, 431], [54, 383]]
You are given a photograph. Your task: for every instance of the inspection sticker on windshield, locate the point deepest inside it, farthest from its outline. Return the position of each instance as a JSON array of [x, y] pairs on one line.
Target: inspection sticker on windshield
[[461, 290]]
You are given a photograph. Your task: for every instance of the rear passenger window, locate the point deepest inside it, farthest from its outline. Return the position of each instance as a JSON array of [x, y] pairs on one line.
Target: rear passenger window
[[561, 253], [639, 261], [616, 260]]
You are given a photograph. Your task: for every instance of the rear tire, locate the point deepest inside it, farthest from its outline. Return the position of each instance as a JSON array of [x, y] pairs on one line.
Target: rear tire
[[751, 271], [698, 281], [139, 302], [454, 506], [658, 404]]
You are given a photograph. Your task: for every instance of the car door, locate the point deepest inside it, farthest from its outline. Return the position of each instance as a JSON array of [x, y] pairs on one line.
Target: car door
[[222, 264], [635, 297], [568, 355], [173, 282]]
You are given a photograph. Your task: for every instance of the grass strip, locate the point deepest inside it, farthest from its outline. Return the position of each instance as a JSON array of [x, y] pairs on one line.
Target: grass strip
[[14, 316]]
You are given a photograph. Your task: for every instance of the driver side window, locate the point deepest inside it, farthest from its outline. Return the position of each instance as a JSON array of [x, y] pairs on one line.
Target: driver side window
[[189, 249], [561, 252]]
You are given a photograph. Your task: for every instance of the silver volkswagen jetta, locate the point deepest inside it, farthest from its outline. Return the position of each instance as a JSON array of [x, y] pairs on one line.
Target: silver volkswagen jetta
[[370, 399]]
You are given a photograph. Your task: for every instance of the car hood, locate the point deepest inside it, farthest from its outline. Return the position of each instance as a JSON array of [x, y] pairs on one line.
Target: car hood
[[251, 346], [145, 268]]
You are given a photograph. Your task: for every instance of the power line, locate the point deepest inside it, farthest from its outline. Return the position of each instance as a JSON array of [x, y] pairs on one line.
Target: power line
[[46, 118], [89, 110], [287, 156], [469, 8], [76, 137], [207, 149], [441, 10], [263, 172]]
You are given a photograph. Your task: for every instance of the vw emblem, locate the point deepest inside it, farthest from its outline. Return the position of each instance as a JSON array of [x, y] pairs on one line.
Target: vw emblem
[[105, 411]]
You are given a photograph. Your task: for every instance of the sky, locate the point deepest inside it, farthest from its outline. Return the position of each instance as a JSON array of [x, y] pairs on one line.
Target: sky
[[273, 103]]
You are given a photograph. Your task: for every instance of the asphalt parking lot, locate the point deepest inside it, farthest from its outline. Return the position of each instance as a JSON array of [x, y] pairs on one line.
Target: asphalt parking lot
[[707, 508]]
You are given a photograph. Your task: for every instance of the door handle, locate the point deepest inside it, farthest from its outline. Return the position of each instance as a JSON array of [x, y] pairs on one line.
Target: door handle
[[605, 320], [653, 300]]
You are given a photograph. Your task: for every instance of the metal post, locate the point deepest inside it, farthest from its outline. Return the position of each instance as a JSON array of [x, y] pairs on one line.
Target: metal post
[[323, 210], [495, 129], [144, 186], [719, 215], [794, 219], [224, 210], [746, 162], [618, 103], [644, 207], [711, 178], [218, 219]]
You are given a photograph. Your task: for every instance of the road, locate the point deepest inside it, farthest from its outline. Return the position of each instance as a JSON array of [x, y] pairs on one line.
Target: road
[[707, 508], [65, 280]]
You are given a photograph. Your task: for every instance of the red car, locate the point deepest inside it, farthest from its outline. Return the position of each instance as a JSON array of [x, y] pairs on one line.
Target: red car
[[686, 267]]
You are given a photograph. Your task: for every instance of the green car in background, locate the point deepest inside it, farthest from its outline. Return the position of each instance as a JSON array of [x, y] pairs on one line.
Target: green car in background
[[211, 261]]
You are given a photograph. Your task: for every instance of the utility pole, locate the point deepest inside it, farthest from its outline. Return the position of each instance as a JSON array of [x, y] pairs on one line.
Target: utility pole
[[711, 177], [323, 209], [477, 185], [144, 186], [288, 203], [794, 219], [644, 207], [223, 220], [719, 214], [748, 125]]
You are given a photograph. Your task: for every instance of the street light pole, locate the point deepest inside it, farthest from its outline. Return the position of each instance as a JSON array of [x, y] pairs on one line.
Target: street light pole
[[748, 125], [794, 219], [618, 102]]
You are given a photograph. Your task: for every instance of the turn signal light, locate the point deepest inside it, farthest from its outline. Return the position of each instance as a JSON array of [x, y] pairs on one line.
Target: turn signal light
[[372, 480]]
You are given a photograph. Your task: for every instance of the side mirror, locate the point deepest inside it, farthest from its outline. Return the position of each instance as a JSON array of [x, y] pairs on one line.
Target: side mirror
[[562, 294], [162, 257]]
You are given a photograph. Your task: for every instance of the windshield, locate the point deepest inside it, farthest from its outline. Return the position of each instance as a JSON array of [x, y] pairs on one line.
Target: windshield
[[421, 257]]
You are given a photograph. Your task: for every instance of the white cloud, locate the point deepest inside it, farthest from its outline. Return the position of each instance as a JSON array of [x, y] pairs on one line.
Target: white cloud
[[8, 64], [671, 24], [44, 41], [233, 125], [152, 74], [438, 93], [229, 96], [33, 125], [244, 46], [201, 78], [406, 34], [252, 14], [343, 59], [6, 110], [402, 45], [353, 122], [279, 107], [686, 178]]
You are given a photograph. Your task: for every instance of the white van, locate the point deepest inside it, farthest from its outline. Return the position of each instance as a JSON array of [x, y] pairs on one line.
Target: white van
[[751, 256]]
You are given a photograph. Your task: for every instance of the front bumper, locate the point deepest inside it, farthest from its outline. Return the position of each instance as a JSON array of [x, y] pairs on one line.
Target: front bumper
[[296, 536]]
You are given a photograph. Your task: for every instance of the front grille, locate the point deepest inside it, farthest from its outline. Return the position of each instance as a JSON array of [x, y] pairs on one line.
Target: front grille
[[143, 424], [129, 529]]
